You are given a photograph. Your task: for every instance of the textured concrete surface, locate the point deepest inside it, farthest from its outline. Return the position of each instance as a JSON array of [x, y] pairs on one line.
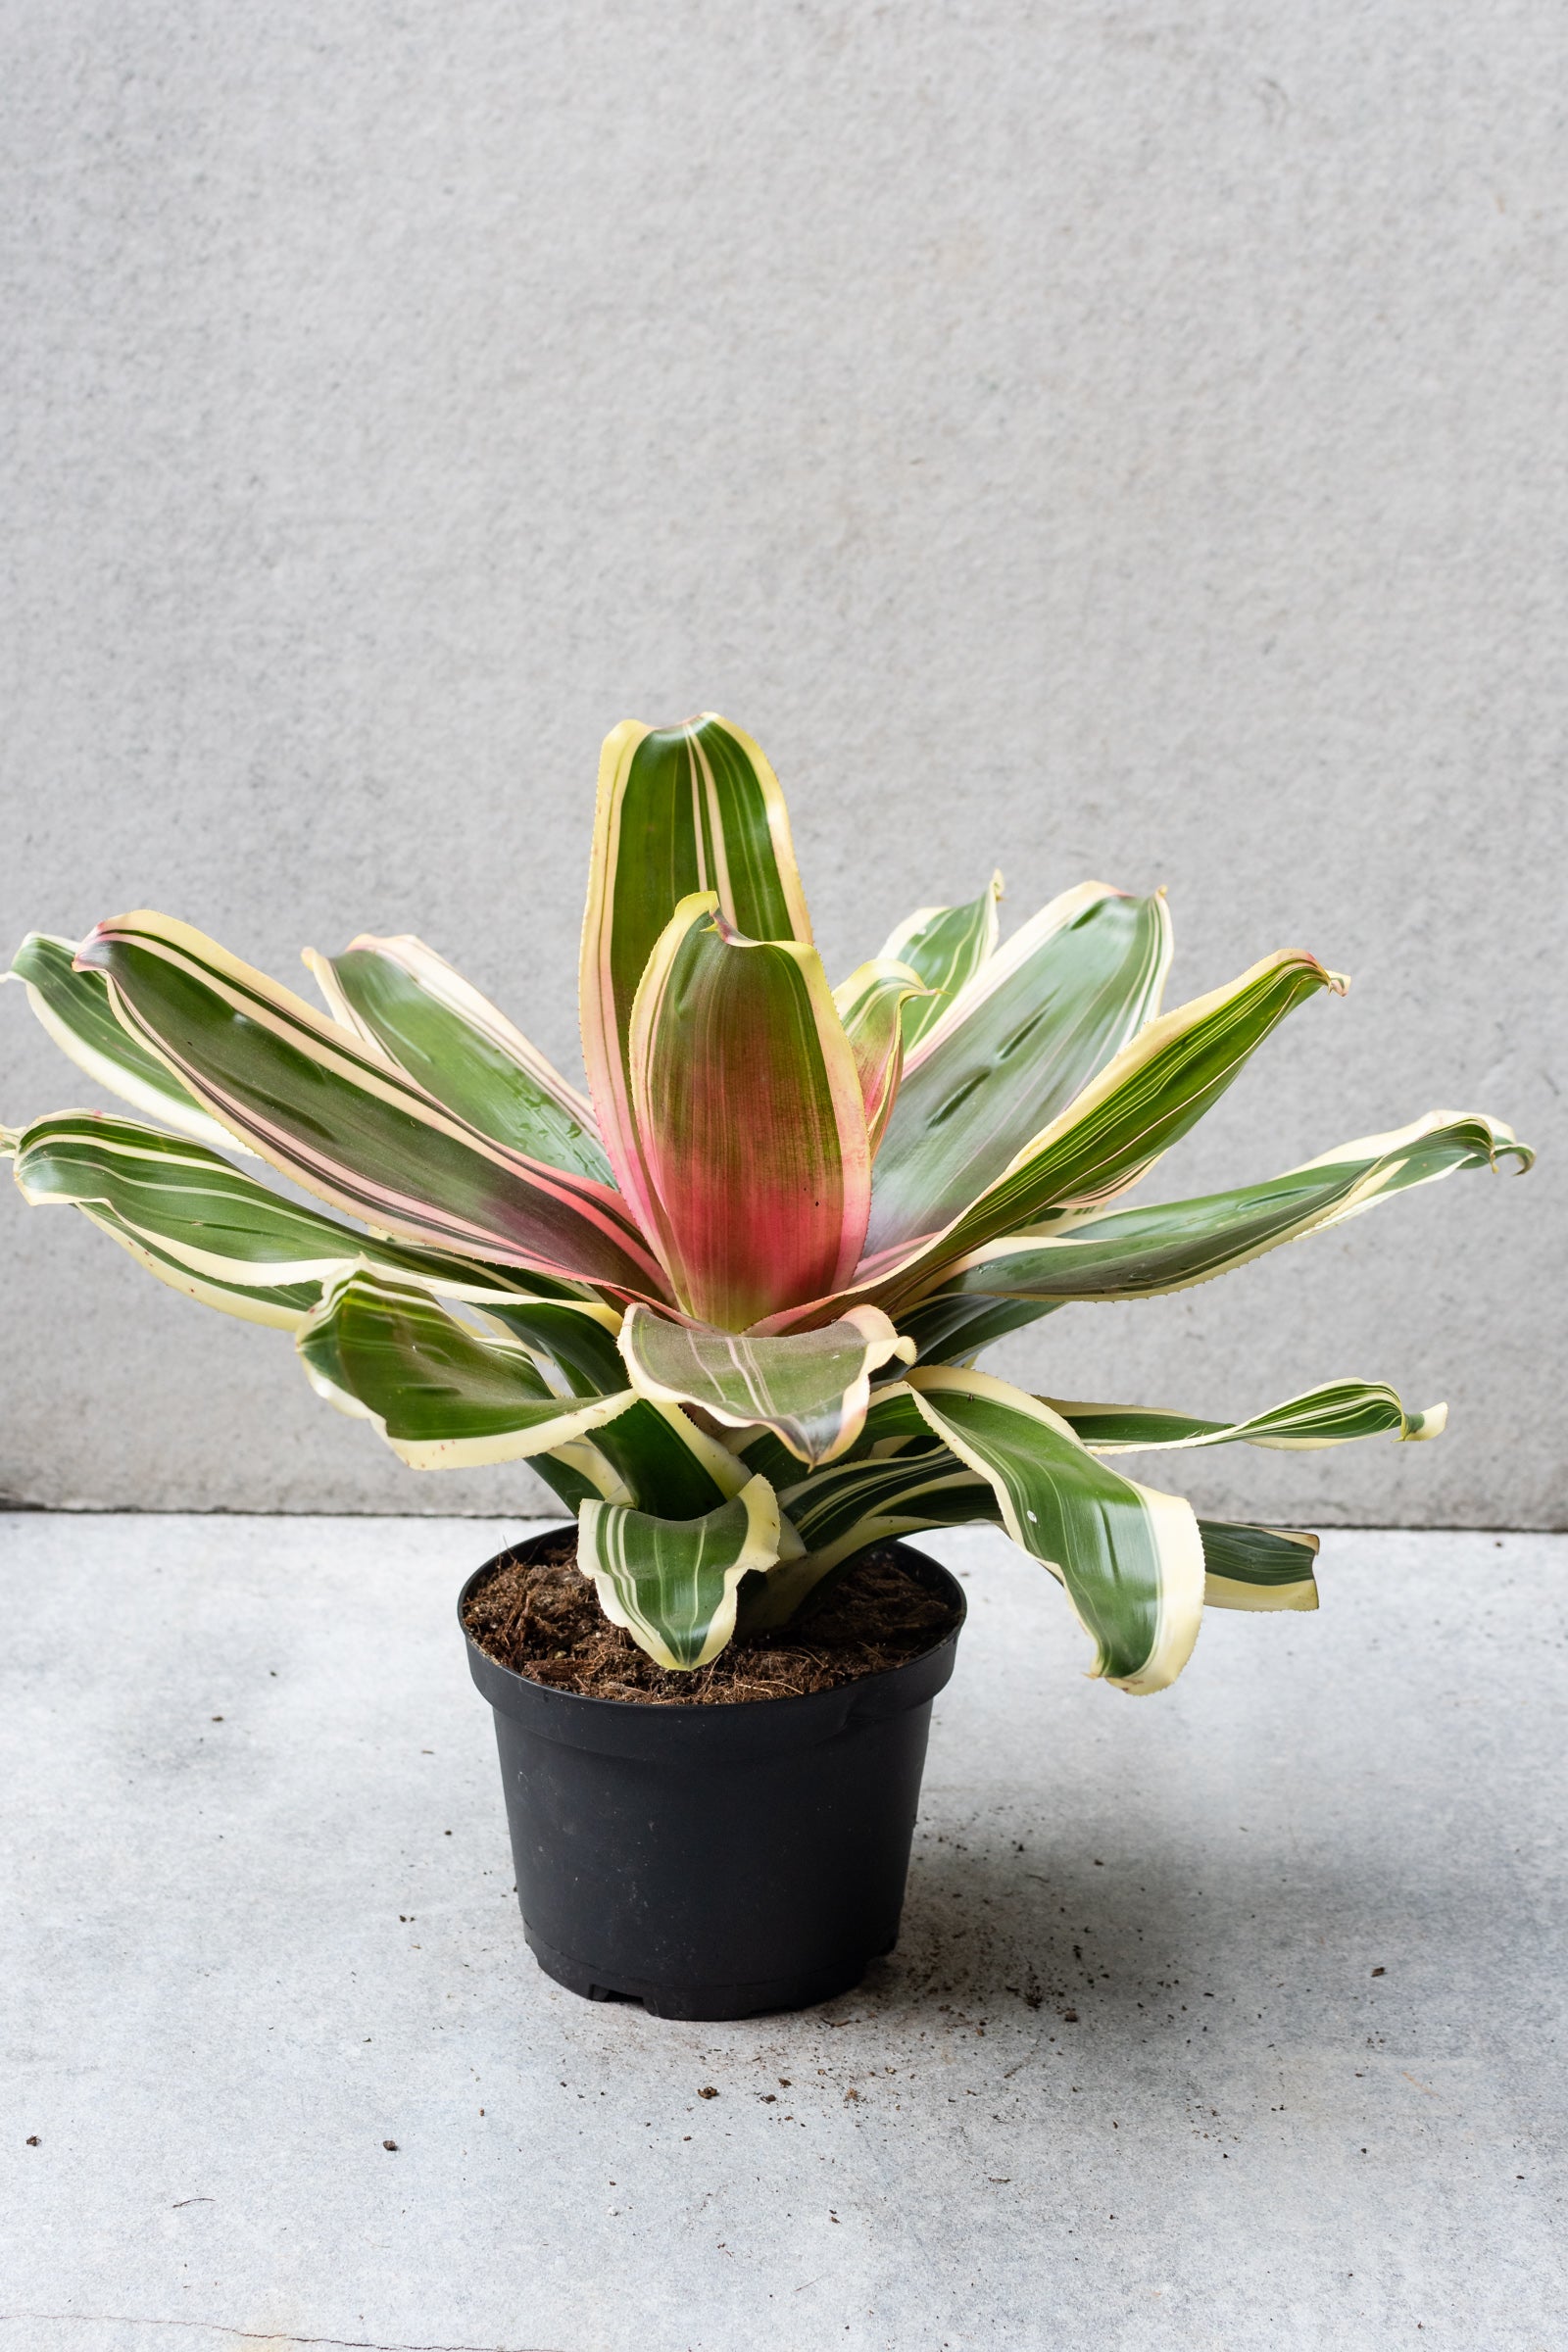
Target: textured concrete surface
[[1113, 441], [1225, 2019]]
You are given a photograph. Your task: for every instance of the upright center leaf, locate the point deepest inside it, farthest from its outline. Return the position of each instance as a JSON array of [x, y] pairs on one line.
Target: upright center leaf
[[679, 810], [748, 1121]]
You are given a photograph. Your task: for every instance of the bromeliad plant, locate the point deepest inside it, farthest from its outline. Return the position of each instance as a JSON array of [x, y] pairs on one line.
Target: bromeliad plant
[[730, 1305]]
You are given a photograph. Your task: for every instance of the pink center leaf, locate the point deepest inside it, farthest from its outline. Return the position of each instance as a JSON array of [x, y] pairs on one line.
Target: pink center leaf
[[748, 1119]]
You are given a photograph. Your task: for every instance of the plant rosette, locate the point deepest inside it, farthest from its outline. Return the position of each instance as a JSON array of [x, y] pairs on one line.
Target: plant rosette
[[729, 1301]]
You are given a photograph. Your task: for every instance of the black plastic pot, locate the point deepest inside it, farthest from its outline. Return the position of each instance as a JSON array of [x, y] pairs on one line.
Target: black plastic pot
[[716, 1861]]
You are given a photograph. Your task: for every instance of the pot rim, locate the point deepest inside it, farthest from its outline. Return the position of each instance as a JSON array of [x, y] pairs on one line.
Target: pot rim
[[581, 1719]]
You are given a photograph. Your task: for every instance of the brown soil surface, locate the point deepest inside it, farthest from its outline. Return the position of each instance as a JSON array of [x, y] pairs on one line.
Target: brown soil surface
[[542, 1618]]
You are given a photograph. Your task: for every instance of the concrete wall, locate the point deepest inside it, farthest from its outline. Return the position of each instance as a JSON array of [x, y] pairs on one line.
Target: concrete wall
[[1098, 439]]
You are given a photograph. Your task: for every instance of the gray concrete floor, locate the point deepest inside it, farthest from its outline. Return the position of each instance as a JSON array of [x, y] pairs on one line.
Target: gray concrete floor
[[1224, 2019]]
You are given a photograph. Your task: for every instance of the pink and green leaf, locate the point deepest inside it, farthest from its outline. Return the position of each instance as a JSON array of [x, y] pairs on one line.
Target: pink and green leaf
[[211, 1232], [182, 1199], [344, 1122], [404, 998], [748, 1121]]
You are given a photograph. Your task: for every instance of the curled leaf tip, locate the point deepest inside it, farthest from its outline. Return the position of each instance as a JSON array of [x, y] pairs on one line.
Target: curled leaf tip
[[1430, 1424], [1504, 1143]]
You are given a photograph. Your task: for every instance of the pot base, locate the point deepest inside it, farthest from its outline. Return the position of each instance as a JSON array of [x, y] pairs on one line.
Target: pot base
[[708, 2003]]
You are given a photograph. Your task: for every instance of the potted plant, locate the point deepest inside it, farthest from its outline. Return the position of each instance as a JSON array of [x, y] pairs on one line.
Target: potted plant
[[729, 1303]]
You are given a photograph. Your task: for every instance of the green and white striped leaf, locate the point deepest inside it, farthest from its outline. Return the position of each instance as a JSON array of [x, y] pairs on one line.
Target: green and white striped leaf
[[1249, 1567], [1142, 1103], [679, 810], [1336, 1414], [1129, 1558], [948, 1328], [183, 1199], [893, 1425], [345, 1123], [810, 1388], [870, 1005], [1040, 1018], [280, 1305], [401, 996], [666, 1463], [839, 1512], [578, 1473], [673, 1583], [662, 1460], [573, 1341], [188, 1208], [444, 1395], [945, 946], [1142, 1253], [74, 1008]]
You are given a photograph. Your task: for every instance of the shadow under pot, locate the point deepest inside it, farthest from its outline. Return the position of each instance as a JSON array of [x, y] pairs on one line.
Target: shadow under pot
[[714, 1861]]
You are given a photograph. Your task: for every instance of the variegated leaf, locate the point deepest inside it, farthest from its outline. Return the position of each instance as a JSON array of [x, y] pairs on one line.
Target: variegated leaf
[[578, 1473], [280, 1305], [190, 1206], [1142, 1103], [810, 1388], [671, 1583], [842, 1511], [444, 1395], [945, 946], [869, 1003], [1039, 1019], [680, 810], [1249, 1567], [1332, 1415], [666, 1463], [341, 1120], [1142, 1253], [75, 1009], [892, 1424], [402, 997], [661, 1458], [1130, 1558], [950, 1328], [748, 1121]]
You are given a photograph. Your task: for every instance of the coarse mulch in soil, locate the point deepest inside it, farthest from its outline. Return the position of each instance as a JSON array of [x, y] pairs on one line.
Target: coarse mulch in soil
[[541, 1617]]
